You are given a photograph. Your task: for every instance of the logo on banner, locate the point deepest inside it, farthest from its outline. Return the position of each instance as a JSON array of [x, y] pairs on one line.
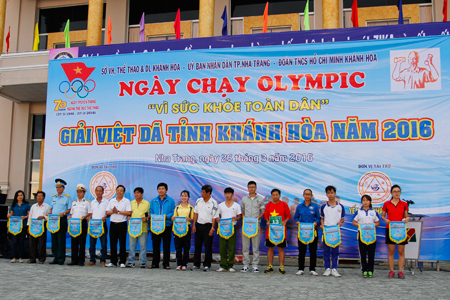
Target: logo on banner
[[411, 235], [375, 184], [106, 180], [78, 82], [415, 69]]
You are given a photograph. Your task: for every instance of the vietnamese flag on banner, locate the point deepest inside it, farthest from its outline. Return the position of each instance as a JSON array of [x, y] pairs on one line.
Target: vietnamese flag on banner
[[77, 70], [176, 25], [266, 15]]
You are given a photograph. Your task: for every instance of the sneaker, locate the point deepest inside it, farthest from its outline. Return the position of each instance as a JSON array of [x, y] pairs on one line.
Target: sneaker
[[123, 266], [129, 265], [281, 270], [231, 270], [103, 264], [335, 273], [183, 268], [255, 270], [90, 264], [178, 268], [327, 272], [111, 265], [221, 270], [245, 269], [13, 260], [370, 274], [142, 266], [313, 273], [391, 274], [195, 268], [401, 275], [300, 272], [365, 274], [20, 260], [206, 269], [269, 269]]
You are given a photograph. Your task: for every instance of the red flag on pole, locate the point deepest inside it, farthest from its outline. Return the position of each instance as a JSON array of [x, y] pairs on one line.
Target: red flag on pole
[[355, 13], [444, 11], [7, 39], [176, 25], [108, 34], [77, 70], [266, 14]]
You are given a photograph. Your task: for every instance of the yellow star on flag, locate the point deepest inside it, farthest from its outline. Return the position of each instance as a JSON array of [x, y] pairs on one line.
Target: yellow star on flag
[[78, 70], [274, 213]]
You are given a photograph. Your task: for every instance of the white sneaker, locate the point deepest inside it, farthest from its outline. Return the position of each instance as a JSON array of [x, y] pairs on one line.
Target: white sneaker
[[178, 268], [110, 265], [195, 268], [206, 269], [13, 260], [122, 265], [231, 270], [335, 273], [220, 270], [313, 273], [255, 270], [300, 272], [327, 272], [244, 269]]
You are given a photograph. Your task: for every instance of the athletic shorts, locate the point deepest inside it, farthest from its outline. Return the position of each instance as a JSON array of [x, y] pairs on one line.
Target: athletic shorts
[[281, 245], [390, 242]]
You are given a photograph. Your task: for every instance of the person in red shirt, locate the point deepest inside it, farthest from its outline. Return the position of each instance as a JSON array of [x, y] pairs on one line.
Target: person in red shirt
[[395, 210], [276, 212]]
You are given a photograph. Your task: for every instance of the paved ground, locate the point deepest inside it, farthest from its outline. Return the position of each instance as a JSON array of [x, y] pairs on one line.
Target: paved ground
[[22, 281]]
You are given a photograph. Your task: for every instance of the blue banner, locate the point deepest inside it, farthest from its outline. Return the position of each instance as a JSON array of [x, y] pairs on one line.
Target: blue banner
[[95, 228], [158, 224], [15, 225], [220, 116], [135, 227], [74, 227], [306, 233], [226, 228], [36, 227], [332, 235], [180, 227], [397, 232], [367, 233], [53, 223], [276, 233], [250, 227]]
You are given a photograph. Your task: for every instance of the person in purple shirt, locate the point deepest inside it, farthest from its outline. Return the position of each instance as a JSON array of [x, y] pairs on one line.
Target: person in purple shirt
[[307, 212]]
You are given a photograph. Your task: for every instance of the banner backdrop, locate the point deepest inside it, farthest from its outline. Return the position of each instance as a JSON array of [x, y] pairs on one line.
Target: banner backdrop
[[361, 116]]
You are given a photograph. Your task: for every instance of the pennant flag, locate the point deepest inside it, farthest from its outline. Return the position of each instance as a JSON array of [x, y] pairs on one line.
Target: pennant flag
[[444, 11], [66, 34], [142, 28], [266, 14], [225, 22], [7, 39], [306, 16], [108, 33], [36, 38], [176, 25], [77, 70], [355, 13], [400, 12]]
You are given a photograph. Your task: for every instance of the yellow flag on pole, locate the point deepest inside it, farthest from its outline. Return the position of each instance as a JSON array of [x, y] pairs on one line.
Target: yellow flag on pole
[[36, 38]]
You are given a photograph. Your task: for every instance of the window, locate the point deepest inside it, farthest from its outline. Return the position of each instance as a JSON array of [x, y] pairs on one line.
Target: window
[[37, 139], [386, 22], [371, 3], [164, 11], [248, 8], [272, 29], [153, 38]]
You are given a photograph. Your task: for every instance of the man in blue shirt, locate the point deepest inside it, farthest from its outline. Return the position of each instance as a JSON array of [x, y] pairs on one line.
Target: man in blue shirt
[[162, 205], [307, 212], [61, 204]]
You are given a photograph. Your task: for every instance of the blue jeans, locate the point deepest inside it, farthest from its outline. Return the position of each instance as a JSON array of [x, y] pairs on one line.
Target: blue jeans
[[142, 248], [103, 243], [334, 253]]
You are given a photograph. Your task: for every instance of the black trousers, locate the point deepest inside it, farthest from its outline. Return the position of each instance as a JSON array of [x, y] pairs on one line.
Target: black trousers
[[202, 237], [312, 252], [79, 245], [364, 252], [166, 237], [118, 232], [59, 241], [181, 244], [18, 243], [38, 246]]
